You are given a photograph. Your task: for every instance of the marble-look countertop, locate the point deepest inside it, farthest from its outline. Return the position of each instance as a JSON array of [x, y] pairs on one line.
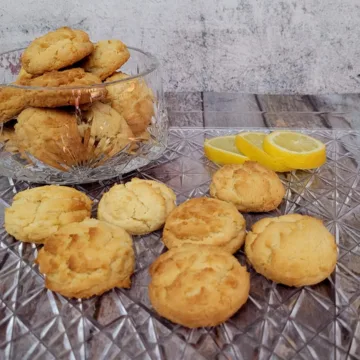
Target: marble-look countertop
[[210, 109]]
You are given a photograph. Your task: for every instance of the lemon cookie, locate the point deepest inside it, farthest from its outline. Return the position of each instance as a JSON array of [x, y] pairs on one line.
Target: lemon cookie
[[12, 102], [50, 135], [139, 206], [167, 193], [23, 75], [293, 250], [107, 57], [105, 129], [205, 221], [37, 213], [56, 50], [73, 79], [198, 286], [8, 139], [250, 187], [87, 258], [133, 99]]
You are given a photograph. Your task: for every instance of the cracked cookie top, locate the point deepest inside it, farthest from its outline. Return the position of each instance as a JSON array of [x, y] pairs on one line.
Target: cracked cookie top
[[133, 99], [87, 258], [37, 213], [293, 250], [205, 221], [139, 206], [56, 50], [250, 187], [198, 286]]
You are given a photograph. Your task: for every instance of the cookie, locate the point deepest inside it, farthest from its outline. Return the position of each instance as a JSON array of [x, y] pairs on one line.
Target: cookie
[[68, 90], [23, 75], [56, 50], [12, 102], [293, 250], [167, 193], [205, 221], [139, 206], [8, 140], [105, 129], [50, 135], [87, 258], [250, 187], [107, 57], [198, 286], [38, 213], [133, 99]]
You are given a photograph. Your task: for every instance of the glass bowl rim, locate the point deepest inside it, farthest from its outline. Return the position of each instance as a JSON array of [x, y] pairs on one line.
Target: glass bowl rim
[[154, 65]]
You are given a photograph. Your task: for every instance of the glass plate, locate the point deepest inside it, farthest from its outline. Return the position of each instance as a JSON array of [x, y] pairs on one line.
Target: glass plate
[[277, 322]]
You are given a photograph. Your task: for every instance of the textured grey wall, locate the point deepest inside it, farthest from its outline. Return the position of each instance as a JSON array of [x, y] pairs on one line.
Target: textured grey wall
[[273, 46]]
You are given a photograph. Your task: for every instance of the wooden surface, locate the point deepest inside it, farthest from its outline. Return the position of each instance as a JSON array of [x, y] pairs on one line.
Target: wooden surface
[[211, 109]]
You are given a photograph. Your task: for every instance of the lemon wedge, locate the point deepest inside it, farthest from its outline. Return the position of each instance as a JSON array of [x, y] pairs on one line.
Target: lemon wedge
[[222, 150], [295, 150], [251, 145]]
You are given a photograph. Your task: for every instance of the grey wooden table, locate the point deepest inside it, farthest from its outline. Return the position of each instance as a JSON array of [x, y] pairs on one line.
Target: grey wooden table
[[209, 109]]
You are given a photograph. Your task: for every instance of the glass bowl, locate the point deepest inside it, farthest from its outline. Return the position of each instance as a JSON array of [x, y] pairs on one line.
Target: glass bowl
[[67, 134]]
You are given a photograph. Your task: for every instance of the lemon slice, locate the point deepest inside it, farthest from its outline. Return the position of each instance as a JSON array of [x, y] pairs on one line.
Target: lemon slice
[[251, 145], [295, 150], [222, 150]]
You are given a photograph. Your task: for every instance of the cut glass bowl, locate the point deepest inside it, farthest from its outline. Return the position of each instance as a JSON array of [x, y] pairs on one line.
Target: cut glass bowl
[[73, 136]]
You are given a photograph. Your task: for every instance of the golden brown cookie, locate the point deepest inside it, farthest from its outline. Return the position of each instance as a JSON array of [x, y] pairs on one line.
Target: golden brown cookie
[[50, 135], [105, 130], [205, 221], [12, 102], [293, 250], [68, 92], [250, 187], [23, 76], [198, 286], [56, 50], [38, 213], [8, 140], [139, 206], [107, 57], [87, 258], [133, 99]]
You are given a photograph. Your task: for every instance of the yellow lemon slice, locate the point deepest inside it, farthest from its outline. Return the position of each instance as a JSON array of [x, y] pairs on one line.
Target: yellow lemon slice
[[251, 145], [222, 150], [295, 150]]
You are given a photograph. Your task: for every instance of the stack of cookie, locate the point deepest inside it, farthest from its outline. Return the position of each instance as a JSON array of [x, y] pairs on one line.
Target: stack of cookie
[[198, 281], [75, 72]]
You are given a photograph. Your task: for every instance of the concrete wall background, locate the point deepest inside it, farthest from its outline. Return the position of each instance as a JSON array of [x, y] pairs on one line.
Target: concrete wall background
[[257, 46]]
